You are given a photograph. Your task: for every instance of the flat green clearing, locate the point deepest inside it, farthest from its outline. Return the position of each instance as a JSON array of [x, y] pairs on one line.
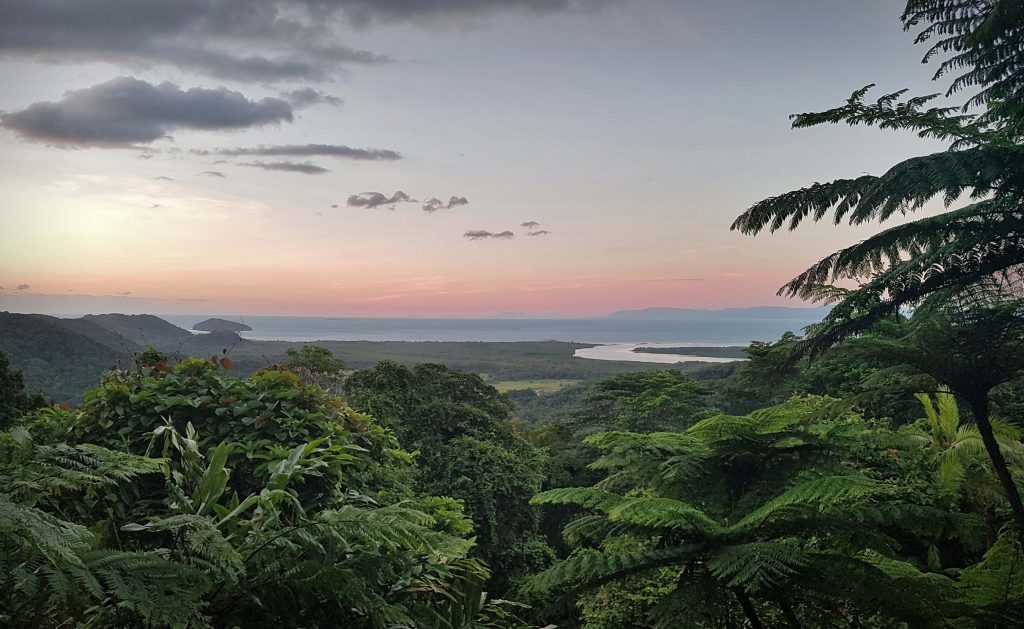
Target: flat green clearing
[[500, 361], [540, 386]]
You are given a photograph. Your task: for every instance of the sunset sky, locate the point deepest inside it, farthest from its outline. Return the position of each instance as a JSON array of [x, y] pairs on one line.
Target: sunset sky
[[200, 157]]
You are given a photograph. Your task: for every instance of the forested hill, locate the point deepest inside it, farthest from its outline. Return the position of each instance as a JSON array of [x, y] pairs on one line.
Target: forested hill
[[143, 330], [61, 357]]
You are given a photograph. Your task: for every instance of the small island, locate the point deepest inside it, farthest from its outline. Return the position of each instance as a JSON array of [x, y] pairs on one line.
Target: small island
[[708, 352], [221, 325]]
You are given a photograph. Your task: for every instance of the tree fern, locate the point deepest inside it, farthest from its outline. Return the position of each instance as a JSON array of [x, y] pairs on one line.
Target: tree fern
[[760, 520], [757, 566], [995, 586]]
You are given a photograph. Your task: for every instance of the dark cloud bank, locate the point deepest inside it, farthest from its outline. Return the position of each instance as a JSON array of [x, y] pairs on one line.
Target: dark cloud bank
[[128, 111], [243, 40]]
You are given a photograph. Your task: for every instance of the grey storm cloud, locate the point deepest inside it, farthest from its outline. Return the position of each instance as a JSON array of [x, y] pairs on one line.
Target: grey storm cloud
[[434, 204], [256, 40], [362, 12], [243, 40], [308, 150], [539, 232], [530, 224], [126, 111], [307, 97], [291, 167], [372, 200], [22, 287], [482, 234], [213, 173]]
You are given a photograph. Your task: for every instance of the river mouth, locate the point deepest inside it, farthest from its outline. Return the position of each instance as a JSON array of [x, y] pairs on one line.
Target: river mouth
[[624, 352]]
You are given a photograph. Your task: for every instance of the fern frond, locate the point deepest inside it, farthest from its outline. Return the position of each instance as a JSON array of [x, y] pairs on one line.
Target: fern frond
[[587, 497], [995, 586], [25, 531], [665, 514], [757, 566], [816, 495], [588, 568], [596, 529]]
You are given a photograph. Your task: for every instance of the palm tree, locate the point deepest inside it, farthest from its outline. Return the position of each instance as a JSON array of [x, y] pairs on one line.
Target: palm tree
[[959, 447]]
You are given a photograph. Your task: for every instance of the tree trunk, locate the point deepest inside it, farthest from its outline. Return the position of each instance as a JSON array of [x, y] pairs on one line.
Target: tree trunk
[[748, 609], [981, 419]]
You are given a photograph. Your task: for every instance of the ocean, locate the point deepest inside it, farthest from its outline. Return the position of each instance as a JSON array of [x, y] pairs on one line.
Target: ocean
[[714, 330]]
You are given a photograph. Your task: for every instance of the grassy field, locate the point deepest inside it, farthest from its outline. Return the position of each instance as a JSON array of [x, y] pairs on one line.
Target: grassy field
[[540, 386]]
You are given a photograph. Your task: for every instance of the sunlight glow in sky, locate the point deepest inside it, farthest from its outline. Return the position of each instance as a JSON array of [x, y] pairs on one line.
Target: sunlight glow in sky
[[633, 131]]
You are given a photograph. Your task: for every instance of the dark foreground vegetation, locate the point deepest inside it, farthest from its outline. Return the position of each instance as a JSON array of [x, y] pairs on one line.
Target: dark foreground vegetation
[[863, 474]]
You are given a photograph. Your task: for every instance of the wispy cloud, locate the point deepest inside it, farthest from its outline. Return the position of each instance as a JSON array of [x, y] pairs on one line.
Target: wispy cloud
[[372, 200], [22, 287], [307, 97], [434, 204], [481, 234], [291, 167], [539, 232], [213, 173], [530, 224], [310, 150]]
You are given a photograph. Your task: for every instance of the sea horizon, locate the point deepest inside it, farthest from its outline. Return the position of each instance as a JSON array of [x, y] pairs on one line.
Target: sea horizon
[[715, 331]]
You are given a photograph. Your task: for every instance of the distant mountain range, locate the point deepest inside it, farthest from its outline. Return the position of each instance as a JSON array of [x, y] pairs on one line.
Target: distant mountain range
[[699, 314]]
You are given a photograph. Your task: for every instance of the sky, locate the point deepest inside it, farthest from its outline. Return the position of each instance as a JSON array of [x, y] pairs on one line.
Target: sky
[[426, 157]]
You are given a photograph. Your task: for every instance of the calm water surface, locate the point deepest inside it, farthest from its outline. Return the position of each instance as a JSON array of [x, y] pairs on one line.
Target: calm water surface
[[617, 337]]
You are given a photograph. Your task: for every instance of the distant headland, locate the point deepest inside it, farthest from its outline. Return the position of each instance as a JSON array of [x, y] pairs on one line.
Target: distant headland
[[221, 325]]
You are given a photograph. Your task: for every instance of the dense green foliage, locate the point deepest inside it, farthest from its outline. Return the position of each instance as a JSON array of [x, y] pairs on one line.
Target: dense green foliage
[[182, 496], [14, 401], [461, 431], [787, 513]]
